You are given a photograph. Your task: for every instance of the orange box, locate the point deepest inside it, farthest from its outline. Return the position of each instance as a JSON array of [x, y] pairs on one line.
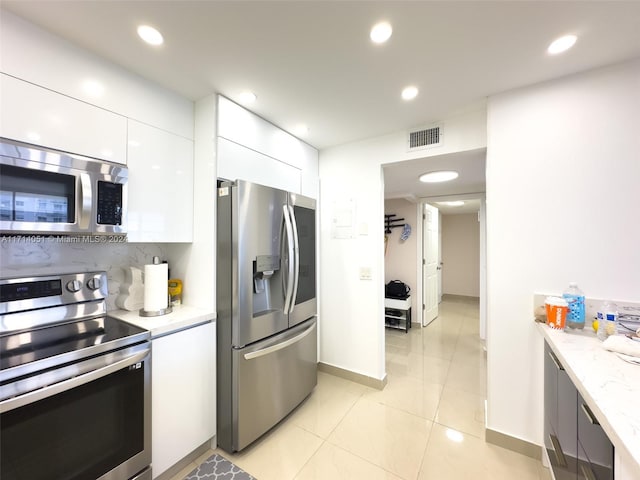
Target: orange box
[[557, 309]]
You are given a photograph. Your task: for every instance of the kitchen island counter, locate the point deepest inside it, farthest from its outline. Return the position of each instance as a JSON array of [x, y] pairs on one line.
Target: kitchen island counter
[[611, 388]]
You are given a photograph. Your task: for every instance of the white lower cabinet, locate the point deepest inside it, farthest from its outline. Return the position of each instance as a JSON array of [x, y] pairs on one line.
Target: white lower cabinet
[[160, 185], [183, 394], [39, 116]]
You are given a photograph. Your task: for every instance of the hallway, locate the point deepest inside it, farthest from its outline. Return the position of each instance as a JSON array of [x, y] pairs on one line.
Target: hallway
[[428, 423]]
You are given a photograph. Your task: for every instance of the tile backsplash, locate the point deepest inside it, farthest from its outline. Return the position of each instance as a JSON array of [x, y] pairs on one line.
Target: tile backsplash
[[43, 256]]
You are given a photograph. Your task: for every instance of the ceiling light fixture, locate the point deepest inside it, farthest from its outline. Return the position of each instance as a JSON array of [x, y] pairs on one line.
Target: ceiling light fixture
[[247, 97], [300, 130], [454, 203], [93, 88], [562, 44], [439, 176], [409, 93], [33, 136], [150, 35], [381, 32]]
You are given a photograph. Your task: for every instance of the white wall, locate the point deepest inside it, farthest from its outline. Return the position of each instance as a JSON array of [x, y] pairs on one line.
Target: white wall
[[461, 254], [401, 261], [352, 334], [563, 176]]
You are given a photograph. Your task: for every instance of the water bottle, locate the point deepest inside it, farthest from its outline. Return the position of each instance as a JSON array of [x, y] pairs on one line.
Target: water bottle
[[607, 320], [575, 298]]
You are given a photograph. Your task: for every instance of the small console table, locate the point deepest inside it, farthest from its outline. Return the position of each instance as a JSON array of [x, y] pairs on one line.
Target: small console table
[[397, 313]]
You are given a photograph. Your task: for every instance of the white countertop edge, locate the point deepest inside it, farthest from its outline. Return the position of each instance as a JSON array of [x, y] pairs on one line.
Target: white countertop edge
[[181, 318], [620, 432]]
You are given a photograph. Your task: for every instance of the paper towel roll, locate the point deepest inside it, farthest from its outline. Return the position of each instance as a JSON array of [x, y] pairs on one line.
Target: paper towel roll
[[155, 287]]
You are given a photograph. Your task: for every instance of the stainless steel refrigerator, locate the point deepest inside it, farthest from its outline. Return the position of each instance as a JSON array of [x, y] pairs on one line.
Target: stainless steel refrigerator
[[266, 308]]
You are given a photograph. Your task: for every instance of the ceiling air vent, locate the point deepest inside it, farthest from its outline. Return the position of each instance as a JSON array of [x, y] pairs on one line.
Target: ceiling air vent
[[425, 138]]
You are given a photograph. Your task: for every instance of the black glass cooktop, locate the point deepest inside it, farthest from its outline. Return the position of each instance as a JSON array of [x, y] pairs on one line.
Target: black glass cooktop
[[55, 345]]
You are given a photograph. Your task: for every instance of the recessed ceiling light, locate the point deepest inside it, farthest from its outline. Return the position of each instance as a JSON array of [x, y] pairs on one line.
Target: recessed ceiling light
[[454, 203], [300, 130], [562, 44], [150, 35], [409, 93], [247, 97], [439, 176], [33, 136], [381, 32], [93, 88]]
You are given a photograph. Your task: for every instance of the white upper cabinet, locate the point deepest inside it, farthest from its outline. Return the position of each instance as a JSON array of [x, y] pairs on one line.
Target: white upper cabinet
[[271, 156], [39, 116], [160, 185], [238, 162]]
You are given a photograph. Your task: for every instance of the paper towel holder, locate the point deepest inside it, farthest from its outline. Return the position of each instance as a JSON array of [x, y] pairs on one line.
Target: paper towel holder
[[162, 311], [156, 313]]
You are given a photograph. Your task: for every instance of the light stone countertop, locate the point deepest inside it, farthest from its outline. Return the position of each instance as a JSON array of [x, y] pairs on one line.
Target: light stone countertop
[[610, 385], [182, 317]]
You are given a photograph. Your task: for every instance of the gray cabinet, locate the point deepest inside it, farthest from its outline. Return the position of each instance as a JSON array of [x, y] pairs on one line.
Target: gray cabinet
[[561, 420], [577, 447], [594, 447]]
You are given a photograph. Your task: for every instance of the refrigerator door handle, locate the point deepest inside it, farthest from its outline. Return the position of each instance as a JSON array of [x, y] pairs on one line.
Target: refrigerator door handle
[[288, 298], [274, 348], [296, 249]]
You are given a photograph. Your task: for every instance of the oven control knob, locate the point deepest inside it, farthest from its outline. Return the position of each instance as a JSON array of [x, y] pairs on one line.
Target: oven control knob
[[74, 286], [93, 283]]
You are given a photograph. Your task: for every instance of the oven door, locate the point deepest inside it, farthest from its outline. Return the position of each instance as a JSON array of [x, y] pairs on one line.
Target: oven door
[[88, 423]]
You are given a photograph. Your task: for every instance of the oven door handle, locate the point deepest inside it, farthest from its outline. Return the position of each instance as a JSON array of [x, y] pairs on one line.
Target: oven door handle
[[76, 381]]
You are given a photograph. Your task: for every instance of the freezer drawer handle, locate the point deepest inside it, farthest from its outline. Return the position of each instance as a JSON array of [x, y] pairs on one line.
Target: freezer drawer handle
[[274, 348]]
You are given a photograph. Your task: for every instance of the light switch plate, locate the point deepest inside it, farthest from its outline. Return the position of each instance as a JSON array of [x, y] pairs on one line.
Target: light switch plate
[[365, 273]]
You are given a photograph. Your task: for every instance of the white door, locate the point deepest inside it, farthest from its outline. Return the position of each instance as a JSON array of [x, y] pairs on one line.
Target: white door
[[439, 228], [430, 263]]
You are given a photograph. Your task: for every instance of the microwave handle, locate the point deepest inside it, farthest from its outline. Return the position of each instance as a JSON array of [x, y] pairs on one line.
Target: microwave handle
[[84, 215]]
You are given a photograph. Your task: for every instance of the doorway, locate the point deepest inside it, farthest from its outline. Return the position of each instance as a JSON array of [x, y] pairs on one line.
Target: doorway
[[463, 220]]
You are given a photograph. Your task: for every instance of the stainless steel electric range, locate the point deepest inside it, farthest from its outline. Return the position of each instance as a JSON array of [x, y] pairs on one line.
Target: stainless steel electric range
[[75, 384]]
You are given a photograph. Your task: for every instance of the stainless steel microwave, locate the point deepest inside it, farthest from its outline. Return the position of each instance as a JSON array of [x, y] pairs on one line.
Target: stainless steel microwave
[[49, 192]]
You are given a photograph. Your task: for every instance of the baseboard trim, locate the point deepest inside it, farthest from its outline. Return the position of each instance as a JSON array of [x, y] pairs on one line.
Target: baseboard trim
[[353, 376], [181, 464], [453, 296], [514, 444]]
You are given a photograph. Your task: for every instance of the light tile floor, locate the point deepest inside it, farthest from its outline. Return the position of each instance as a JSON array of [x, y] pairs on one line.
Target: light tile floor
[[435, 395]]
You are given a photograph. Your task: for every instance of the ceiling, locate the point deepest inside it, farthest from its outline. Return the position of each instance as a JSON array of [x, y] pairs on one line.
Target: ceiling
[[401, 180], [312, 62]]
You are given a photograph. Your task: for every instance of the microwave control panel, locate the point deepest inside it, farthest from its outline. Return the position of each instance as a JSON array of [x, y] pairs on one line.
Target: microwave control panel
[[109, 204]]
